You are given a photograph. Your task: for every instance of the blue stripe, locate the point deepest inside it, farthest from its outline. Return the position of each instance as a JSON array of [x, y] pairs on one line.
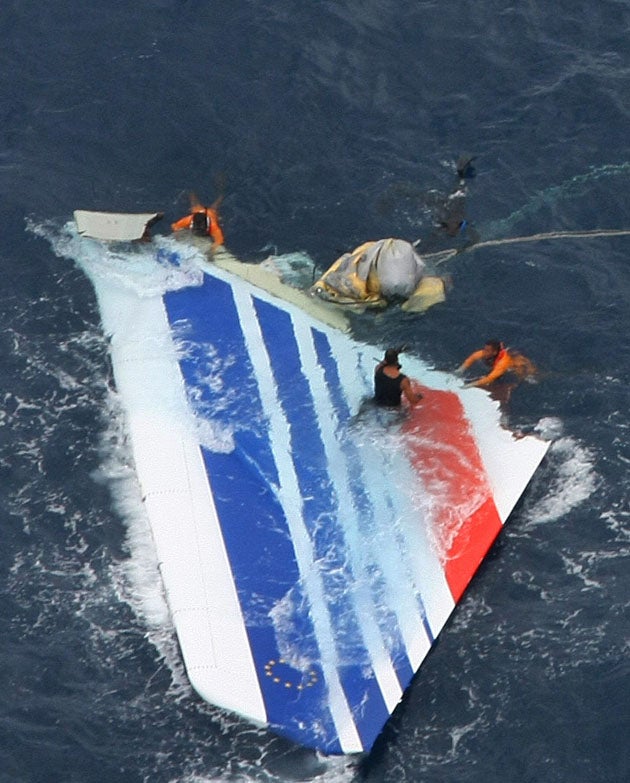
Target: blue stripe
[[387, 620], [253, 523], [244, 483], [325, 357], [321, 512]]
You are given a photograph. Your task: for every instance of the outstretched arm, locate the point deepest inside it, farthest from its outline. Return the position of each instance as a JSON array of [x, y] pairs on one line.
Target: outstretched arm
[[474, 357], [499, 369], [411, 396], [183, 223]]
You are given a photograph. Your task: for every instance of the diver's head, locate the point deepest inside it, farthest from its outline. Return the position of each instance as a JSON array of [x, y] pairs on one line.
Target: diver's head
[[492, 348], [391, 357]]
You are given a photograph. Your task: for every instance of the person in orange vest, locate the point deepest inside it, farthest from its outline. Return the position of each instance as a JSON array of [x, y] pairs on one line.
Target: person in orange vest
[[500, 361], [202, 221]]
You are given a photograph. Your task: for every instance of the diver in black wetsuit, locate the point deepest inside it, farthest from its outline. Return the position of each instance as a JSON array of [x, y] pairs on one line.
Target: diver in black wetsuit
[[390, 384], [450, 211]]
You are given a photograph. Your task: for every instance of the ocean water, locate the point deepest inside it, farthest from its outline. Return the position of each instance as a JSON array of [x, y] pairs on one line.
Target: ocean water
[[324, 124]]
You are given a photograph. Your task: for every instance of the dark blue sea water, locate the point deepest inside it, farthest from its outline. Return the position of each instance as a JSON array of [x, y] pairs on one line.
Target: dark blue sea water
[[327, 123]]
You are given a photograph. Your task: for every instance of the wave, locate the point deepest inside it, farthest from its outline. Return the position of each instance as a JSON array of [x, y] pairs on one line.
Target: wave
[[570, 476]]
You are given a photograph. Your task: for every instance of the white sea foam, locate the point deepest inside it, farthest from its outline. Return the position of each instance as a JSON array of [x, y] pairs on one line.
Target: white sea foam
[[132, 267], [280, 769], [296, 269], [214, 436], [571, 475]]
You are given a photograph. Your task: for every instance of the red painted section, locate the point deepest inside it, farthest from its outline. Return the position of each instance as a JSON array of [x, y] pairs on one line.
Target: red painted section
[[446, 457]]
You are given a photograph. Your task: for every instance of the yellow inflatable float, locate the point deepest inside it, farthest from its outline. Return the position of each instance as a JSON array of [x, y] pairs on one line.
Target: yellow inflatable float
[[377, 273]]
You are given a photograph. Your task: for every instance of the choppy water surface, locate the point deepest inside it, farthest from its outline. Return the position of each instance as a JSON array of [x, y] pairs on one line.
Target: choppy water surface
[[328, 124]]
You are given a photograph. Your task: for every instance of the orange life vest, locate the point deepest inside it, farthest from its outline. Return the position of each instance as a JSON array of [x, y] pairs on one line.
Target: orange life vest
[[209, 217]]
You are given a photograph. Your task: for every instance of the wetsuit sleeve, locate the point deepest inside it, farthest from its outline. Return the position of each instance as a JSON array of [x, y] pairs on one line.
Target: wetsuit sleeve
[[185, 222]]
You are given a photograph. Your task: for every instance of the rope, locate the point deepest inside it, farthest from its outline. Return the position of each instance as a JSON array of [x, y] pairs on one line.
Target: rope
[[445, 255], [573, 187]]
